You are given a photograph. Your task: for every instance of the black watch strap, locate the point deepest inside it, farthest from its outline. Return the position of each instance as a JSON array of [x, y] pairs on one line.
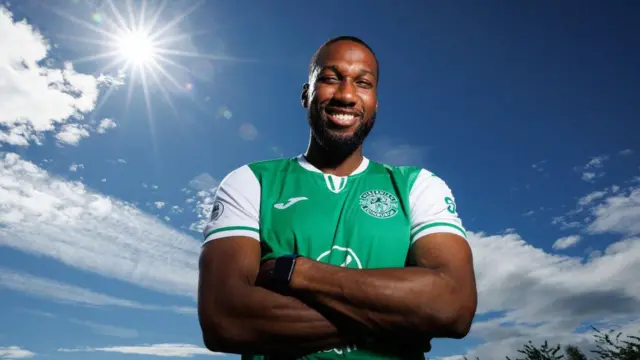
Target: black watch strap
[[283, 270]]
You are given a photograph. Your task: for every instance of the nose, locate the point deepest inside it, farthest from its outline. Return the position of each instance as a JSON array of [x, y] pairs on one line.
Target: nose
[[346, 93]]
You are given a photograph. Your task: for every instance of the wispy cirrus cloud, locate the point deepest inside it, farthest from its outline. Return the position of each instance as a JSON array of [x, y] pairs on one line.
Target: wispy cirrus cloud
[[166, 350], [57, 291], [64, 220], [108, 330], [15, 352]]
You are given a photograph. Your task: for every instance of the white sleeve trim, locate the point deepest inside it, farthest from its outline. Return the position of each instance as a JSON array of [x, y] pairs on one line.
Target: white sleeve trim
[[236, 207], [433, 208]]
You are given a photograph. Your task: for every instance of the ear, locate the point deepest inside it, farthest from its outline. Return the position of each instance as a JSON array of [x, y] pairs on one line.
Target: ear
[[304, 96]]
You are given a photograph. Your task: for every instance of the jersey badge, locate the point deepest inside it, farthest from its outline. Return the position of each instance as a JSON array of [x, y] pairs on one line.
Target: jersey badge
[[217, 210], [379, 203]]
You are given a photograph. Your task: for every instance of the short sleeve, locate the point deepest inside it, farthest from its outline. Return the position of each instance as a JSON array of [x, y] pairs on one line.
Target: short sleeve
[[433, 207], [236, 207]]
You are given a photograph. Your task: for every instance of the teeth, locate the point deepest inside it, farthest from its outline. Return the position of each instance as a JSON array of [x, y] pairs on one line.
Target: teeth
[[343, 117]]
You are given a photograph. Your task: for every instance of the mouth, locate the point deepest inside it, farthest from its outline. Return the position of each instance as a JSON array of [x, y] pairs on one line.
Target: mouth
[[343, 117]]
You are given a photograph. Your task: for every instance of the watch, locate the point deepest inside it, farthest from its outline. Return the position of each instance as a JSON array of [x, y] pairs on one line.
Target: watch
[[283, 270]]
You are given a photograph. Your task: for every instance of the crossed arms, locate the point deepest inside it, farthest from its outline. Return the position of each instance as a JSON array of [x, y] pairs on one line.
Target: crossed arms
[[408, 306]]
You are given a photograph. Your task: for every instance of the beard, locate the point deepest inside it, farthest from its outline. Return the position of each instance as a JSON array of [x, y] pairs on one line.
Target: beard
[[335, 144]]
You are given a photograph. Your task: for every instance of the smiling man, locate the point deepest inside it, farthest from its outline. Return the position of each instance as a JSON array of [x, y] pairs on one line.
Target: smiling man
[[329, 255]]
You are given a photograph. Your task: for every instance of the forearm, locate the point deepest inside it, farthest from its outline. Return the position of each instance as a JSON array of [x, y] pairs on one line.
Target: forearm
[[402, 301], [260, 321]]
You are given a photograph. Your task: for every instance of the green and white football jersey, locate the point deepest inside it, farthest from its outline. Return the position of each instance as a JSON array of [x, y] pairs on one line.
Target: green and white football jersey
[[366, 220]]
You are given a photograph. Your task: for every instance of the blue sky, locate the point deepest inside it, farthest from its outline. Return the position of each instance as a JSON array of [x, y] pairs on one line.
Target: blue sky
[[530, 113]]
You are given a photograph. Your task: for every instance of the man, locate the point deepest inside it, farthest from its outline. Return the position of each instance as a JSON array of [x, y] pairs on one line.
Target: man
[[330, 255]]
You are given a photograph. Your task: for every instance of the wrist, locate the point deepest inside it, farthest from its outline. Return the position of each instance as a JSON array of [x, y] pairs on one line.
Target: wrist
[[283, 271], [297, 275]]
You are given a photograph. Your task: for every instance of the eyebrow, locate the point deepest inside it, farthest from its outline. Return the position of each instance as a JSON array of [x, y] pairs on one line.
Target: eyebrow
[[337, 69]]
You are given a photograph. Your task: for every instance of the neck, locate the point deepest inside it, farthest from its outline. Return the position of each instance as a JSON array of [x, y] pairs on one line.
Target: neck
[[334, 164]]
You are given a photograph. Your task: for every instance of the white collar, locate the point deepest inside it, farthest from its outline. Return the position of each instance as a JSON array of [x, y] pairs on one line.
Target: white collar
[[302, 160]]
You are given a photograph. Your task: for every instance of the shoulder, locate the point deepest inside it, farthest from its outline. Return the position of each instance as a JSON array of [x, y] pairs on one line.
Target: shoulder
[[412, 176], [251, 173]]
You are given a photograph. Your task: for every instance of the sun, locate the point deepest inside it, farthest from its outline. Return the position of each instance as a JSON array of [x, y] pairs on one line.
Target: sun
[[136, 47], [145, 42]]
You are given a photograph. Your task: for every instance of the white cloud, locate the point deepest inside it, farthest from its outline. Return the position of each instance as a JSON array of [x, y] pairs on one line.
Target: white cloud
[[590, 176], [619, 213], [185, 310], [105, 124], [109, 330], [64, 220], [71, 134], [565, 223], [248, 132], [15, 352], [395, 153], [566, 242], [585, 208], [169, 350], [529, 213], [74, 167], [176, 209], [35, 98], [596, 162], [591, 170], [626, 152], [589, 198], [546, 295], [159, 204], [203, 203], [543, 296]]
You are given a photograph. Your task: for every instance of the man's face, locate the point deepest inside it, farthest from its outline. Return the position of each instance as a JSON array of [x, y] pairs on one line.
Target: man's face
[[341, 97]]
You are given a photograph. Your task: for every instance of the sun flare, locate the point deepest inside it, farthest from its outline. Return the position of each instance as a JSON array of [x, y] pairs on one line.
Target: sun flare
[[136, 47]]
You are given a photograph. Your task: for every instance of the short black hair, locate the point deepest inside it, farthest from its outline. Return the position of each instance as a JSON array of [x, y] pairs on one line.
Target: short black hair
[[314, 58]]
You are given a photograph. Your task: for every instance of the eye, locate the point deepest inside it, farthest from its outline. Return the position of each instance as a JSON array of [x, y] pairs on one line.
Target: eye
[[328, 79], [364, 84]]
